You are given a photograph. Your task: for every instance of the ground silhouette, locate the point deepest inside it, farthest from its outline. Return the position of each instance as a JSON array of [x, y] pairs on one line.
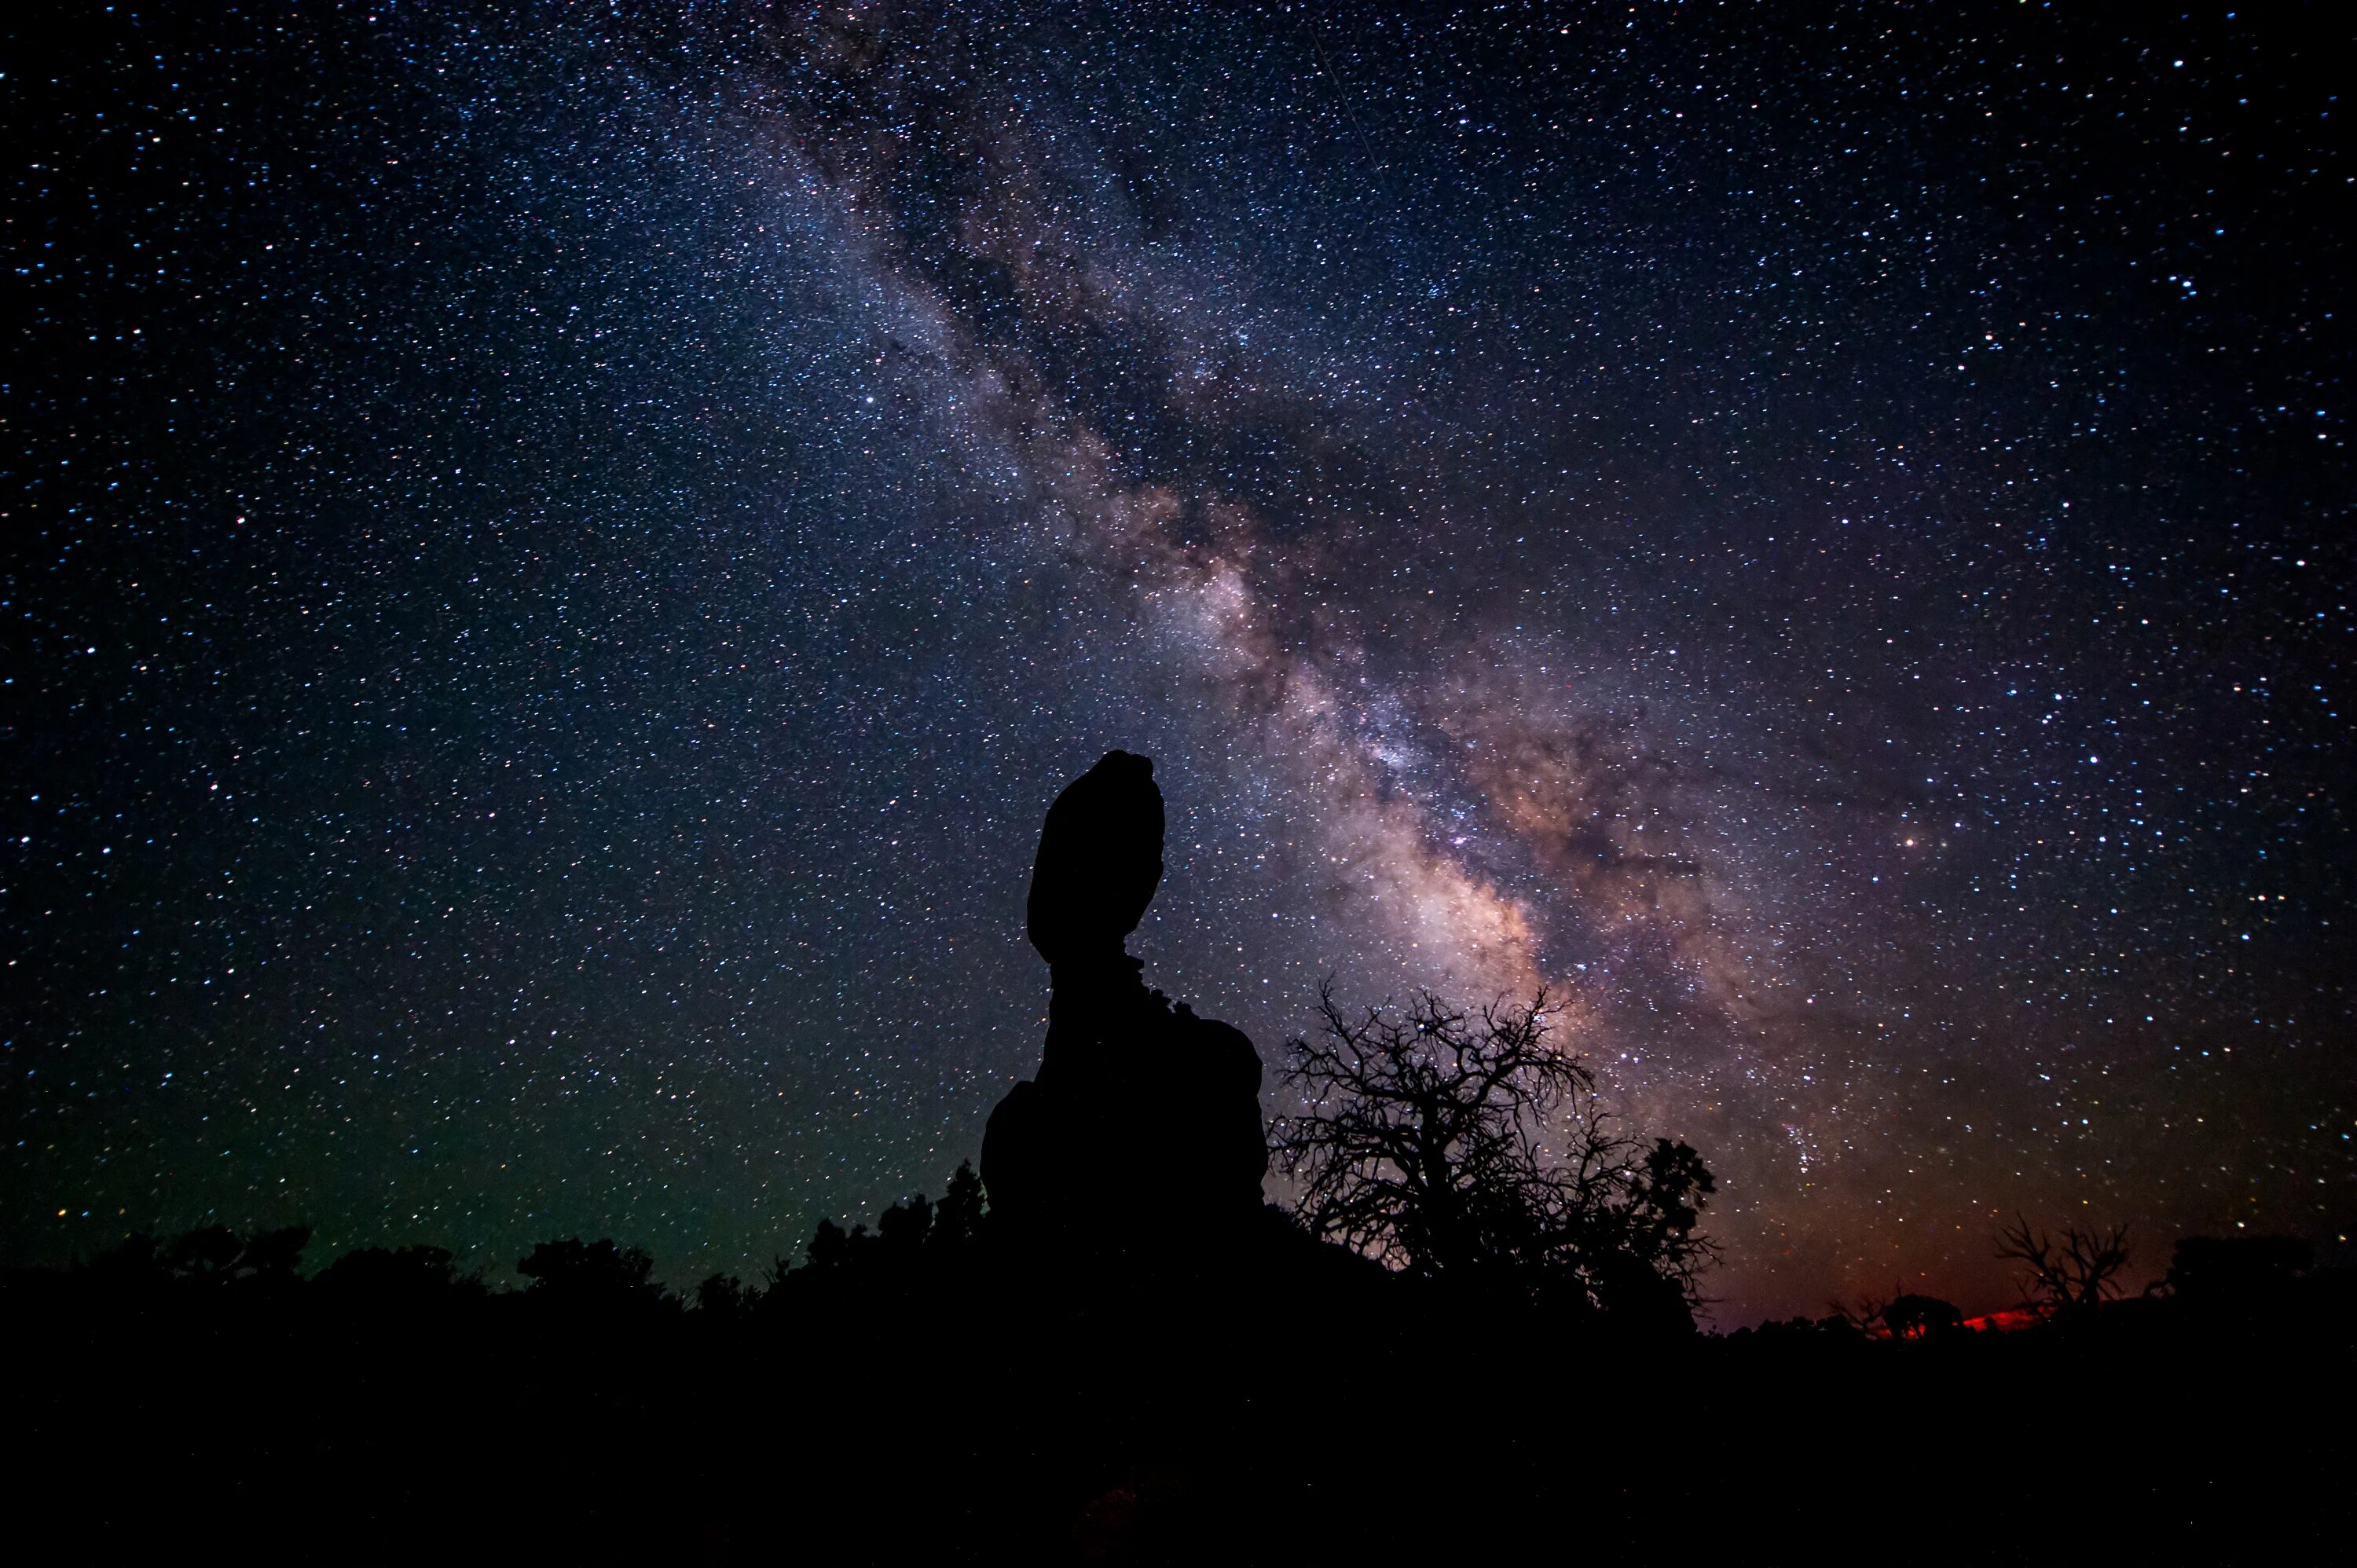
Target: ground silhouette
[[891, 1396], [1106, 1346]]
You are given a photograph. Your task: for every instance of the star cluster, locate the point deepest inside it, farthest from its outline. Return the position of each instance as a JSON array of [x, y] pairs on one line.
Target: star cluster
[[555, 556]]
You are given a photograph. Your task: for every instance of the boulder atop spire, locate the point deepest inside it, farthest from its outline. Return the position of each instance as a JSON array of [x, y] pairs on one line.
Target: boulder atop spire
[[1140, 1134], [1100, 861]]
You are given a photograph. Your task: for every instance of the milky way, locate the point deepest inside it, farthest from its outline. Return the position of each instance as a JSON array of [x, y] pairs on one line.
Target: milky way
[[554, 560]]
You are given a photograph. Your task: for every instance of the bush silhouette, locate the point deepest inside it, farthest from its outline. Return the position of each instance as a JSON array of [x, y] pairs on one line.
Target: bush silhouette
[[211, 1256], [396, 1277], [2237, 1271], [723, 1298], [1921, 1317], [918, 1245], [593, 1275]]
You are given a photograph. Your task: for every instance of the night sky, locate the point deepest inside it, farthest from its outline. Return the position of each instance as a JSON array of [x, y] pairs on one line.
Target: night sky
[[554, 556]]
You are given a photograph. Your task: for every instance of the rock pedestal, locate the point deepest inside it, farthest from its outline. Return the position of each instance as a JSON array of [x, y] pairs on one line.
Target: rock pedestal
[[1140, 1134]]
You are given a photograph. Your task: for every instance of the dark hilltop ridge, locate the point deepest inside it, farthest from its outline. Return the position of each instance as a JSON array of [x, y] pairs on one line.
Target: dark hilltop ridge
[[1108, 1346]]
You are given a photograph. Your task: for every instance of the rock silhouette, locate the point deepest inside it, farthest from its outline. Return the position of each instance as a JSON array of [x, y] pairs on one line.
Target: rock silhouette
[[1142, 1127]]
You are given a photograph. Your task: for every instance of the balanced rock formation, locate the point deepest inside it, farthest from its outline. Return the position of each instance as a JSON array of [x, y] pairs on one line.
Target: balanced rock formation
[[1141, 1133]]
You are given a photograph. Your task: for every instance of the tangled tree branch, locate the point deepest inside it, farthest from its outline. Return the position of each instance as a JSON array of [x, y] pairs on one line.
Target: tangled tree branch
[[1444, 1143], [2071, 1275]]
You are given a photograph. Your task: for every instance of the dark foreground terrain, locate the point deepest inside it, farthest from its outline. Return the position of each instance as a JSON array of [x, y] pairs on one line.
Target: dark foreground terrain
[[965, 1415]]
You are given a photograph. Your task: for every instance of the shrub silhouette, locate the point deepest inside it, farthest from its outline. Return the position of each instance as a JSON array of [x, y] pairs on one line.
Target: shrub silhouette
[[1467, 1147], [958, 1218], [723, 1298], [593, 1275], [1837, 1327], [207, 1256], [132, 1267], [211, 1256], [396, 1277], [919, 1250], [1921, 1317], [215, 1255], [903, 1227], [2237, 1271]]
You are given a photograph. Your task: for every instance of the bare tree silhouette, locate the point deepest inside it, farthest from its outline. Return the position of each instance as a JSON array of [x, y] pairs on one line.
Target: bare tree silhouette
[[1901, 1315], [1462, 1146], [2069, 1274]]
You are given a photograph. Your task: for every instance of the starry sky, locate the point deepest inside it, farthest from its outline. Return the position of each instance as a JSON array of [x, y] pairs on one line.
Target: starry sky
[[552, 557]]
